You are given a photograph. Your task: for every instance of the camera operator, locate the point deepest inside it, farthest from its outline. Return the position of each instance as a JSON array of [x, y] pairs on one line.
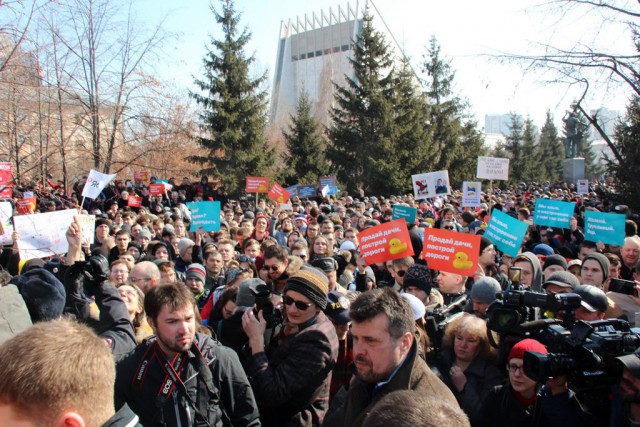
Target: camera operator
[[483, 293], [626, 410], [594, 303], [531, 271], [522, 402]]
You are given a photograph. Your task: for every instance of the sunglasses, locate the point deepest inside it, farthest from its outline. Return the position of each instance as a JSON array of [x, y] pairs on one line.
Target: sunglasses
[[302, 306], [448, 228], [244, 258], [272, 267], [401, 273]]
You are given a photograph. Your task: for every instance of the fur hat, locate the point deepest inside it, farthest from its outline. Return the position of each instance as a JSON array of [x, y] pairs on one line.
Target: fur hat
[[43, 294], [310, 282]]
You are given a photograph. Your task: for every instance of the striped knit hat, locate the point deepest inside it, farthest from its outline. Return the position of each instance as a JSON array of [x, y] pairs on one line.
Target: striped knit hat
[[310, 282]]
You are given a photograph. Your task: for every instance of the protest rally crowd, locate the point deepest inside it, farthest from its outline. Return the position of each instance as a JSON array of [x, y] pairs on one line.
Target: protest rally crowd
[[329, 310]]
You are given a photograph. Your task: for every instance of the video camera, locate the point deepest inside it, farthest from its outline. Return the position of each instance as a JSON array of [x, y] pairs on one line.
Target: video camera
[[438, 319], [584, 351], [272, 315]]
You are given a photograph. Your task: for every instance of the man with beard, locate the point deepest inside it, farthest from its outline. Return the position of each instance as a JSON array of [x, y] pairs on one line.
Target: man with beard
[[385, 357], [181, 377]]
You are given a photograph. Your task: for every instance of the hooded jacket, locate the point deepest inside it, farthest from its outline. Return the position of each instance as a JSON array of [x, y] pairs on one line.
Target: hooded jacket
[[536, 282]]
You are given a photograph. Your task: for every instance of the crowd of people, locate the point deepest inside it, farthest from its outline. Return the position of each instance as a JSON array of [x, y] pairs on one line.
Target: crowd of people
[[277, 320]]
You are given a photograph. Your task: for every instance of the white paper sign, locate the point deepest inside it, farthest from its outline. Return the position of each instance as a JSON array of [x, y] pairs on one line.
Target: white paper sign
[[583, 186], [6, 211], [430, 185], [493, 168], [43, 235], [96, 181], [471, 196]]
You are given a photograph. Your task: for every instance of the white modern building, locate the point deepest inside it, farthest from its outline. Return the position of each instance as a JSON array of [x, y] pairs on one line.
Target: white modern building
[[313, 54]]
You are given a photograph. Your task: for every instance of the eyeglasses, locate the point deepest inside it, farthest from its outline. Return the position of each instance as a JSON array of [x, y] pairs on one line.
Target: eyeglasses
[[302, 306], [400, 273], [272, 267], [448, 227], [515, 368], [136, 280]]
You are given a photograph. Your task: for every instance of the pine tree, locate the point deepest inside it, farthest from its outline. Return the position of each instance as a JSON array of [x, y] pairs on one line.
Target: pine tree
[[550, 151], [306, 160], [456, 138], [362, 121], [233, 108], [627, 143], [513, 146]]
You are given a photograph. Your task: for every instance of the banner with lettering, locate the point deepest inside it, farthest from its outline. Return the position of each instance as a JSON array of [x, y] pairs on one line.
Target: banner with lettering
[[385, 242], [604, 227], [506, 232], [451, 251], [553, 213], [493, 168], [256, 184]]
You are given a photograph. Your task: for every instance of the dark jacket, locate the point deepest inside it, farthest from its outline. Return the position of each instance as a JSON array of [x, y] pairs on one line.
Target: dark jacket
[[482, 377], [222, 393], [414, 374], [123, 418], [502, 409], [292, 383]]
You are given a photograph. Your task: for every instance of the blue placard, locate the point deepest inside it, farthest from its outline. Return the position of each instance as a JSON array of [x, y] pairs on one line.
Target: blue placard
[[205, 215], [333, 190], [306, 191], [407, 212], [506, 232], [604, 227], [553, 213], [293, 190]]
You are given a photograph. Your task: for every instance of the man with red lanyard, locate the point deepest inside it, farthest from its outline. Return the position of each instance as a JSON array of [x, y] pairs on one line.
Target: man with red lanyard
[[181, 377]]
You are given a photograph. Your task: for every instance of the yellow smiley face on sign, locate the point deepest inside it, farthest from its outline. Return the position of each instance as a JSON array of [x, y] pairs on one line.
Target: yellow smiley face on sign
[[262, 187]]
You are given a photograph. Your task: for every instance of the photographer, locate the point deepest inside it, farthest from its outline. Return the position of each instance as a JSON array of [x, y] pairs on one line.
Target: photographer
[[291, 378], [522, 402]]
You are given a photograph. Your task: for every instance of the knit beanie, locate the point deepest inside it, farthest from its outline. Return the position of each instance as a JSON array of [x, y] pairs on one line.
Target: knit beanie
[[485, 242], [310, 282], [184, 244], [419, 276], [517, 352], [602, 260], [196, 270], [144, 233], [564, 279], [326, 264], [555, 260], [43, 294], [102, 221], [543, 249], [484, 290]]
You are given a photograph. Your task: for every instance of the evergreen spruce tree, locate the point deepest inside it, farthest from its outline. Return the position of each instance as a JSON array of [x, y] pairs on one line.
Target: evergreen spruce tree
[[456, 138], [627, 143], [550, 151], [513, 146], [233, 108], [362, 122], [529, 163], [306, 160]]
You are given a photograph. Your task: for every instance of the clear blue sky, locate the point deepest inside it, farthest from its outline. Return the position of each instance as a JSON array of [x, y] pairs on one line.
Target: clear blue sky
[[467, 30]]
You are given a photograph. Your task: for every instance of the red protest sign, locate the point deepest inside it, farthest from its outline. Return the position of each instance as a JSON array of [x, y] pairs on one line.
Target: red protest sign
[[385, 242], [451, 251], [6, 191], [156, 189], [278, 193], [26, 206], [141, 176], [256, 184], [134, 201]]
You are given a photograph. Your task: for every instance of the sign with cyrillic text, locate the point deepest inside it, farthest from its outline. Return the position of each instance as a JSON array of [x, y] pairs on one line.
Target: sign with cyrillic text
[[257, 184], [493, 168], [404, 212], [604, 227], [451, 251], [506, 232], [385, 242], [553, 213], [471, 194], [205, 215]]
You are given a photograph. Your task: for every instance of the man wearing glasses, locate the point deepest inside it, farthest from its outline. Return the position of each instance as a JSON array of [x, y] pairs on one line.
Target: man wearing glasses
[[276, 263], [291, 384], [145, 275]]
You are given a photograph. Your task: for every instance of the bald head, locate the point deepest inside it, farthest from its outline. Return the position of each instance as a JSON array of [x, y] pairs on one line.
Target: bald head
[[145, 275]]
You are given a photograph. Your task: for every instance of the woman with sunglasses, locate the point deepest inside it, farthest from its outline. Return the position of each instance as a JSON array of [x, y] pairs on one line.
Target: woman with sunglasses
[[291, 384]]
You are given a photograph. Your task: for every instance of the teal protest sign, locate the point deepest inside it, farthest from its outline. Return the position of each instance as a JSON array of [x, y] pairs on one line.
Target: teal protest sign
[[506, 232], [553, 213], [205, 215], [406, 212], [604, 227]]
